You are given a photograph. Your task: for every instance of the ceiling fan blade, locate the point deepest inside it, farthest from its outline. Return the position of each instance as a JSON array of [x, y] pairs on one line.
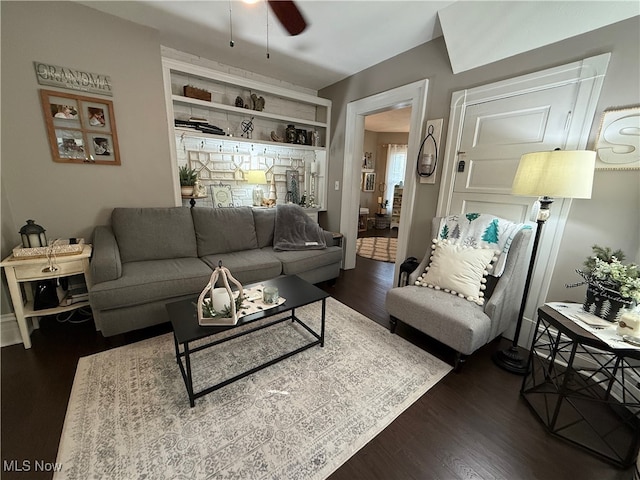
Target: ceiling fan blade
[[288, 15]]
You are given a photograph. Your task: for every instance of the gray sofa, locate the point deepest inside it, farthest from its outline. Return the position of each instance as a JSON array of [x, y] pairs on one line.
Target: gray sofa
[[148, 257]]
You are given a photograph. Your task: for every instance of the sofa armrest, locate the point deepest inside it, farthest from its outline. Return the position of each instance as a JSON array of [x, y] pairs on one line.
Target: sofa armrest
[[328, 238], [105, 261]]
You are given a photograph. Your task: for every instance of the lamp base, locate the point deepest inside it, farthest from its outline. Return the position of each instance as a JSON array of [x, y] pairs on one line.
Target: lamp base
[[510, 360]]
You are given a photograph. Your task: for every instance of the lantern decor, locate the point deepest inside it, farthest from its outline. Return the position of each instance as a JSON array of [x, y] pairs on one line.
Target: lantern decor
[[219, 306], [33, 235]]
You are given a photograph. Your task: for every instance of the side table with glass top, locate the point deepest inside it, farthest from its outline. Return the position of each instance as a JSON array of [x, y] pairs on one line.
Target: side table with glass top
[[583, 390]]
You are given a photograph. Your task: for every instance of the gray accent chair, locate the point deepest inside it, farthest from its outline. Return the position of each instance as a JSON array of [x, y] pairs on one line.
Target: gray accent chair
[[456, 322]]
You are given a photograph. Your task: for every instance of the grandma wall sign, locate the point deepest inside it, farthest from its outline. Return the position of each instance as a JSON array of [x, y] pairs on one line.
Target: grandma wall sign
[[65, 77]]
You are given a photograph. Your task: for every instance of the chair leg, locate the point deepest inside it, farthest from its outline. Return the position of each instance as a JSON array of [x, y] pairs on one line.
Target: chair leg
[[459, 362], [393, 323]]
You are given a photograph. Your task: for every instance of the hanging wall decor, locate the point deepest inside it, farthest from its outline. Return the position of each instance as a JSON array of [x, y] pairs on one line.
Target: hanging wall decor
[[80, 129], [618, 143]]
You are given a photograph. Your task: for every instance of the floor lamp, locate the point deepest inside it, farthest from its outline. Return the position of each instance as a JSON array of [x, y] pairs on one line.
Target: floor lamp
[[557, 173]]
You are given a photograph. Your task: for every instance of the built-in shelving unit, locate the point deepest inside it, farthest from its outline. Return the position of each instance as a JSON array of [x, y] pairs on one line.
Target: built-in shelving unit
[[396, 207], [238, 150]]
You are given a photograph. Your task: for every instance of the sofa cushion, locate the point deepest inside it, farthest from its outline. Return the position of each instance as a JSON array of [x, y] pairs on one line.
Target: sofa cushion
[[151, 280], [297, 261], [248, 266], [223, 230], [265, 220], [153, 233]]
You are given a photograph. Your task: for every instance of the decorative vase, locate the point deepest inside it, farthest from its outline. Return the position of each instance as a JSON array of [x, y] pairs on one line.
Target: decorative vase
[[186, 190], [291, 135], [604, 303]]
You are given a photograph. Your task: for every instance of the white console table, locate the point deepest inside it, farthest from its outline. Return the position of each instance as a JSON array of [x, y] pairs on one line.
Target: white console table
[[26, 270]]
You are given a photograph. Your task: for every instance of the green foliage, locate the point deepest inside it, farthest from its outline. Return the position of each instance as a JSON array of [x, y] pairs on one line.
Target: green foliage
[[188, 176], [444, 234], [604, 254], [605, 271]]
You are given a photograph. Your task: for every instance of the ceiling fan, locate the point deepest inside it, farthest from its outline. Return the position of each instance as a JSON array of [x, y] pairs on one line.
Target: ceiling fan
[[289, 16]]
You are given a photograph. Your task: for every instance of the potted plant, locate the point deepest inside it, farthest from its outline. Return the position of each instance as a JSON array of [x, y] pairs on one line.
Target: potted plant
[[611, 285], [188, 177]]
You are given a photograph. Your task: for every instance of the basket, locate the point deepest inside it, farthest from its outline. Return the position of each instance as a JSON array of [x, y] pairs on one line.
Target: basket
[[199, 93], [58, 248], [605, 303]]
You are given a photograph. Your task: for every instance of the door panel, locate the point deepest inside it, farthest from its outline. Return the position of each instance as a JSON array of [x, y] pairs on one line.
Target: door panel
[[495, 134], [511, 208], [490, 175]]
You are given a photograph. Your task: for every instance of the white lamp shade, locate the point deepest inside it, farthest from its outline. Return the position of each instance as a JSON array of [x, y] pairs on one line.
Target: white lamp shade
[[256, 177], [557, 173]]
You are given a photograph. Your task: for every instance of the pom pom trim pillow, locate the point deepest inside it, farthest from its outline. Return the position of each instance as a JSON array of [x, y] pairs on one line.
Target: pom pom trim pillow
[[458, 269]]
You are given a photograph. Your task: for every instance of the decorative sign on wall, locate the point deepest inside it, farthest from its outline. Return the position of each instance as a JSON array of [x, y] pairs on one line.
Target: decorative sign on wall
[[71, 78], [81, 129], [618, 143]]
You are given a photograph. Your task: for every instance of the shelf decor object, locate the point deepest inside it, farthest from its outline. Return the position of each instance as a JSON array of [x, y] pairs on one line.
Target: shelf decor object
[[557, 173], [80, 129], [199, 93], [257, 178]]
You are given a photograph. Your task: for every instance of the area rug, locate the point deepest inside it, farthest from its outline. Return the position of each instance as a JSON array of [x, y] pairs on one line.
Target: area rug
[[129, 415], [377, 248]]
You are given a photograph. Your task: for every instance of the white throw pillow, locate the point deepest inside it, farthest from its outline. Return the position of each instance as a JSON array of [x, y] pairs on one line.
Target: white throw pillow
[[458, 269]]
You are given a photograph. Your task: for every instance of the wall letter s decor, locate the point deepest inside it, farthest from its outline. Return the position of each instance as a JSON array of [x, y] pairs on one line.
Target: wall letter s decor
[[618, 143]]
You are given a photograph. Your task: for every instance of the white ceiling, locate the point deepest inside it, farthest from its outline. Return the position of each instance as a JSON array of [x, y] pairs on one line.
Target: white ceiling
[[345, 37], [391, 121], [341, 39]]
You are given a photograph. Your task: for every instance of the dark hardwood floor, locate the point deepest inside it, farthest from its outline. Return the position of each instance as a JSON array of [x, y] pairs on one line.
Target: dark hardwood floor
[[471, 425]]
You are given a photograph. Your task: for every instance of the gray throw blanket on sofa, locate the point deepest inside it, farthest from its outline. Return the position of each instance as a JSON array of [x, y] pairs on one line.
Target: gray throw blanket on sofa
[[295, 230]]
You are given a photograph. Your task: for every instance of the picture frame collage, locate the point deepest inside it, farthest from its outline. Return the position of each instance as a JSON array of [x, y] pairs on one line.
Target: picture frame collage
[[80, 129]]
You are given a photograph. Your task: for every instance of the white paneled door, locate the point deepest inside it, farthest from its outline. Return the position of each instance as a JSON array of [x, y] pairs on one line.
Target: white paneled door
[[493, 125], [494, 136]]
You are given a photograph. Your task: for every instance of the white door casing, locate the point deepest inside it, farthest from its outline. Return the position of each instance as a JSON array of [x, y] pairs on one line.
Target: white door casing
[[493, 125], [413, 95]]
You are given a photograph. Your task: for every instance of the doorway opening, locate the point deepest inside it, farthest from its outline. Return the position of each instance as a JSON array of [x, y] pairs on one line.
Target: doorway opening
[[384, 164], [412, 96]]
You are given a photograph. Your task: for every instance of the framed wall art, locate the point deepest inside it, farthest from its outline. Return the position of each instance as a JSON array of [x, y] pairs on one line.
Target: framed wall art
[[368, 182], [80, 129], [221, 195], [618, 143]]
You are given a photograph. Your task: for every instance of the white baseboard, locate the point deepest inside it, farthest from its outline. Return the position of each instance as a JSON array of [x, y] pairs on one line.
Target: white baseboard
[[9, 331]]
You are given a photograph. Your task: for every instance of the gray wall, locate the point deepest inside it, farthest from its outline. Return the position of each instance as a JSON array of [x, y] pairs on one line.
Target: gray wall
[[610, 218], [69, 199]]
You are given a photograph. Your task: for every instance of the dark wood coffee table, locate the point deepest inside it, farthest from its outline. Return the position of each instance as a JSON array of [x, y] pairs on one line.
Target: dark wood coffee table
[[186, 328]]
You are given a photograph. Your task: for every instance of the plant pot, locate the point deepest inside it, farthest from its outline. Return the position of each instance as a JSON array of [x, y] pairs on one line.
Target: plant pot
[[605, 303], [186, 191]]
